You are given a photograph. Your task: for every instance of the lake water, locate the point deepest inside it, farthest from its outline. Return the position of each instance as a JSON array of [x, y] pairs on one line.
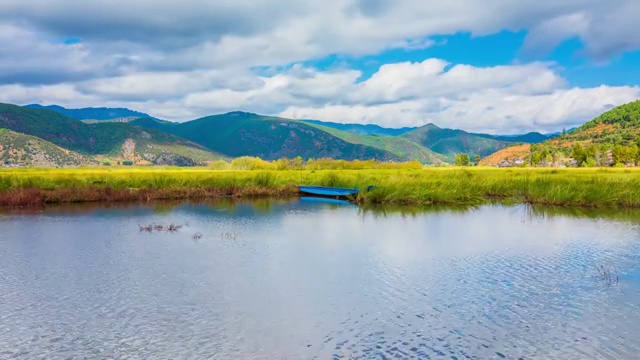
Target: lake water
[[301, 279]]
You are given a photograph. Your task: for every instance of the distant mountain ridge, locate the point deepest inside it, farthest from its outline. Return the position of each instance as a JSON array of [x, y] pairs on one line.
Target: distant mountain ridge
[[93, 115], [108, 133], [102, 113], [372, 129], [362, 129], [531, 138]]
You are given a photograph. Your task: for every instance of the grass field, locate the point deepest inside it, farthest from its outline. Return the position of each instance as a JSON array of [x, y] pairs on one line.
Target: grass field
[[469, 186]]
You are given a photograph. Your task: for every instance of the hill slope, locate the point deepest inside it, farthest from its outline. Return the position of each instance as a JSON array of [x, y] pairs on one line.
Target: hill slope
[[452, 142], [362, 129], [618, 126], [91, 113], [107, 139], [16, 148], [399, 146], [610, 138], [240, 133], [508, 153]]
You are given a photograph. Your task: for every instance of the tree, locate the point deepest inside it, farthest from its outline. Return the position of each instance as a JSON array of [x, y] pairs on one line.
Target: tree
[[619, 154], [579, 154], [557, 157], [476, 159], [536, 159], [635, 153], [462, 160]]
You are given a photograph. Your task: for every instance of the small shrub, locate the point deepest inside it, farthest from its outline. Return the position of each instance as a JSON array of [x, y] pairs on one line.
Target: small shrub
[[220, 165]]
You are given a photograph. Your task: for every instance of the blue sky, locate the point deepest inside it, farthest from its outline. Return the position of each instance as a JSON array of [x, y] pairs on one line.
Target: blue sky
[[497, 66], [504, 47]]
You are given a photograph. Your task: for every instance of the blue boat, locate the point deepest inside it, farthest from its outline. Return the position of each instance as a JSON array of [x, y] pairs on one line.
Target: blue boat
[[328, 191]]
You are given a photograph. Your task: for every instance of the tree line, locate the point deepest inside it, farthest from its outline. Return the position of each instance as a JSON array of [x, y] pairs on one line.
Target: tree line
[[584, 156]]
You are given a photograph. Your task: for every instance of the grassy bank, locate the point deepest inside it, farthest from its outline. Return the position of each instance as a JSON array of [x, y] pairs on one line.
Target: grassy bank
[[561, 187]]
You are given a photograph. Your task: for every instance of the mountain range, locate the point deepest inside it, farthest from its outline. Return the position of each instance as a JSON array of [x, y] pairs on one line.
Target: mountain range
[[107, 135]]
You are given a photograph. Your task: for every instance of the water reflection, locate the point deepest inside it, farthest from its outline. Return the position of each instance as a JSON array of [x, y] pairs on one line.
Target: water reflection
[[308, 278], [269, 205]]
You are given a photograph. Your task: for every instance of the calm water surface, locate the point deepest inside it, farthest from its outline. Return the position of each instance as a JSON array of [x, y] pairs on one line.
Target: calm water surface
[[300, 279]]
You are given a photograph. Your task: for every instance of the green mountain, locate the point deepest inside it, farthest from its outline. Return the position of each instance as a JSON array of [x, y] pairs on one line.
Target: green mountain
[[371, 129], [240, 133], [113, 140], [146, 140], [399, 146], [27, 150], [451, 142]]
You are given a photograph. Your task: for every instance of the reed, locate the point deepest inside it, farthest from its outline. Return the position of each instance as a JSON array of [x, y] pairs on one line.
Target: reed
[[464, 186]]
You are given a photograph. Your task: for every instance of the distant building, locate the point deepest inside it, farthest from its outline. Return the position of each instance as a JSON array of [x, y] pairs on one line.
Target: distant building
[[518, 161]]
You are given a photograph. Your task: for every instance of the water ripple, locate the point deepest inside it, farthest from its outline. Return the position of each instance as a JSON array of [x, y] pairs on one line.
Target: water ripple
[[317, 282]]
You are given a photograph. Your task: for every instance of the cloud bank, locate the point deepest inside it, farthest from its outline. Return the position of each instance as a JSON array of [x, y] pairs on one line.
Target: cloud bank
[[181, 60]]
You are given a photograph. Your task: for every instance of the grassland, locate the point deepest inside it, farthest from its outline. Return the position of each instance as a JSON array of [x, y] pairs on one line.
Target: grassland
[[607, 188]]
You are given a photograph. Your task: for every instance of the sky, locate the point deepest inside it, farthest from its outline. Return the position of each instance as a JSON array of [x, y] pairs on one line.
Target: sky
[[494, 66]]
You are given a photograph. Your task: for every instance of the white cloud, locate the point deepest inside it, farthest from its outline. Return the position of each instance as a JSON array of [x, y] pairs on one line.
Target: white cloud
[[501, 99], [25, 58], [180, 60], [198, 34]]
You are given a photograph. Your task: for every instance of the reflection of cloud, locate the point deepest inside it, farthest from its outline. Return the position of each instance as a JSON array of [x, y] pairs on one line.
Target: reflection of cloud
[[440, 235], [315, 280]]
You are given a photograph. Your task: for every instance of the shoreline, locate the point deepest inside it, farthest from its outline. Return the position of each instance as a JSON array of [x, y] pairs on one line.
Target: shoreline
[[591, 188], [41, 197]]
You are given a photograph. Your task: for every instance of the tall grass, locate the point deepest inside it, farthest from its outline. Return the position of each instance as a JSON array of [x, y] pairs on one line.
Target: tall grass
[[468, 186]]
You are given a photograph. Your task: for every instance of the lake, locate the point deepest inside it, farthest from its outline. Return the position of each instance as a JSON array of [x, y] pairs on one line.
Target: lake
[[301, 279]]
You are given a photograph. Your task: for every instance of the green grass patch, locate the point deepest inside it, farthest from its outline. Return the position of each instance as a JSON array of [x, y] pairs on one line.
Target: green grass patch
[[464, 186]]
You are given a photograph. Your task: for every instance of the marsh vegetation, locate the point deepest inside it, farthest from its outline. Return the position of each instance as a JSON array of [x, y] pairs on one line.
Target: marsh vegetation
[[561, 187]]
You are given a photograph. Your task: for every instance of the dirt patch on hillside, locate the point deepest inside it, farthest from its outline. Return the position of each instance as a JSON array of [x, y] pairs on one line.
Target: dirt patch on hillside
[[509, 153], [600, 128], [129, 149]]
